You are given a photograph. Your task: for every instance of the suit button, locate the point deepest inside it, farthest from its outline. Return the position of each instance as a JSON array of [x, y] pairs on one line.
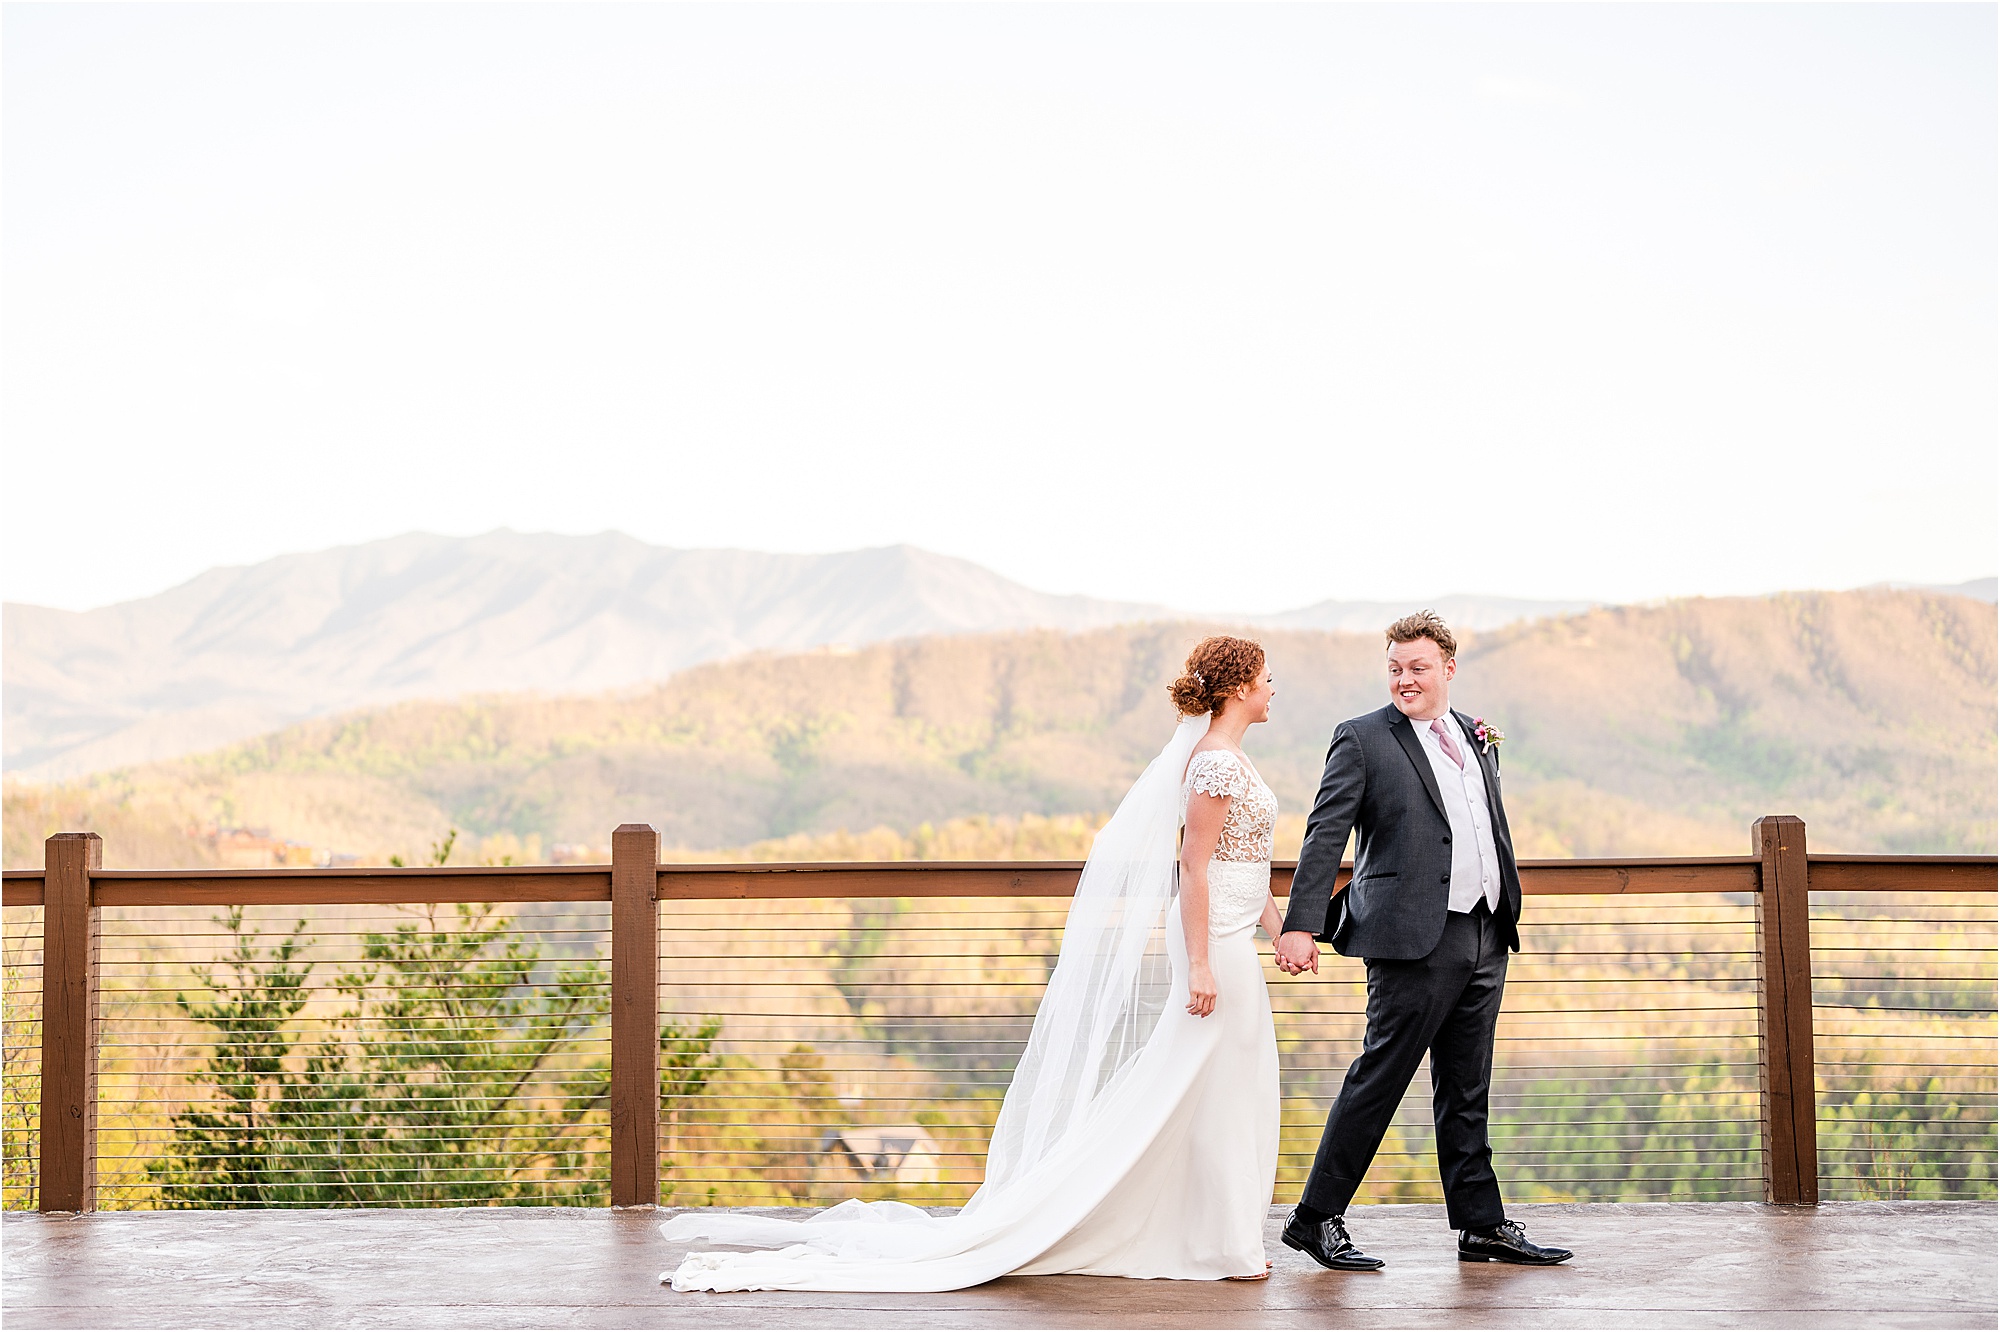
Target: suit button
[[1444, 878], [1447, 839]]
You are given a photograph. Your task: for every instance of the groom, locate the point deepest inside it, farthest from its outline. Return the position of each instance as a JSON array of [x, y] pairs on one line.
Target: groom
[[1432, 910]]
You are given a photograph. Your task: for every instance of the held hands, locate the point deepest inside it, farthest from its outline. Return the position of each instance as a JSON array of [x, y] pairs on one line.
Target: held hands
[[1298, 952], [1201, 989]]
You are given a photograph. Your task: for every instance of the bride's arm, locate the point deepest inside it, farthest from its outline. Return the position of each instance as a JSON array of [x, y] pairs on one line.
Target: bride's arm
[[1273, 923], [1205, 816]]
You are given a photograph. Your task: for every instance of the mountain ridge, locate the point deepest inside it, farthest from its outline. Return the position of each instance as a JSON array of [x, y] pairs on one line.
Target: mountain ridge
[[243, 650], [1658, 730]]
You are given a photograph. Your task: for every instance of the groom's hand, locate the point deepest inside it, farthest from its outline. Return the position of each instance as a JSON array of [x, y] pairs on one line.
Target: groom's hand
[[1298, 951]]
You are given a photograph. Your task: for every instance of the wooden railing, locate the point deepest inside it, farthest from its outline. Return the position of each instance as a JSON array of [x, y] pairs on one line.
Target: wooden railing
[[73, 888]]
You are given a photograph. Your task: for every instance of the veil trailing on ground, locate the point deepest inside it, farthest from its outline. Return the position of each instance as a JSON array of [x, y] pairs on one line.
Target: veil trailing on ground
[[1111, 978], [1104, 1000]]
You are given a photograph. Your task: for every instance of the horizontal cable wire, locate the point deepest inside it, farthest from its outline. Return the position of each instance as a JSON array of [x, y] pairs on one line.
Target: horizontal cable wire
[[454, 1106], [1893, 973], [20, 1056], [1626, 1061]]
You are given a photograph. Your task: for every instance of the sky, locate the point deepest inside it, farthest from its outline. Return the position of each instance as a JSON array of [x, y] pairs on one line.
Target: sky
[[1226, 307]]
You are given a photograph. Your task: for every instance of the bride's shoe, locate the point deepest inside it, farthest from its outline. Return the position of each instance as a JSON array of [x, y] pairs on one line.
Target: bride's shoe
[[1264, 1275]]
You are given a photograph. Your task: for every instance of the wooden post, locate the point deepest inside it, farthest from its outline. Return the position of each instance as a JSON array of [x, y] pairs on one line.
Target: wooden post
[[635, 1016], [69, 1023], [1784, 1017]]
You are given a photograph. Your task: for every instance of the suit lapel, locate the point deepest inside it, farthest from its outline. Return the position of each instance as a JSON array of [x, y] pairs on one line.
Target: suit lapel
[[1406, 735], [1492, 779]]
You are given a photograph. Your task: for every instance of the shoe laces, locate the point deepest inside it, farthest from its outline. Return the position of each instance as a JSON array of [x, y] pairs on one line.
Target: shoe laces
[[1336, 1227]]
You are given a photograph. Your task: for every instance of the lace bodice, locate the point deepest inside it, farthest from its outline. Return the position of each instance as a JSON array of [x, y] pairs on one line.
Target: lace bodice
[[1253, 810]]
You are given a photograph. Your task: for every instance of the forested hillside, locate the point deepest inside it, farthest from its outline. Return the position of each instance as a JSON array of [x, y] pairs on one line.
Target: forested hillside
[[238, 652], [1634, 730]]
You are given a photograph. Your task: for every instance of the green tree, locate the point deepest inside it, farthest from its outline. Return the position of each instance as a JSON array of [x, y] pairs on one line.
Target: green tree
[[20, 1081], [687, 1062], [792, 1145], [462, 1081], [232, 1150], [455, 1076]]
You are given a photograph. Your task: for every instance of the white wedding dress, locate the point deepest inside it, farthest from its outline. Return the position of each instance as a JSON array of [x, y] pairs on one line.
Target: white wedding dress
[[1137, 1140]]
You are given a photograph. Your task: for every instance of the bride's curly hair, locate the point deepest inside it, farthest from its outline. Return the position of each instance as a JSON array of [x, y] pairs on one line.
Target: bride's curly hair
[[1214, 670]]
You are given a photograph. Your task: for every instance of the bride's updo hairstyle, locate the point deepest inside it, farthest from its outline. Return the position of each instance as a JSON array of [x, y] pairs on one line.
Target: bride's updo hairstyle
[[1215, 669]]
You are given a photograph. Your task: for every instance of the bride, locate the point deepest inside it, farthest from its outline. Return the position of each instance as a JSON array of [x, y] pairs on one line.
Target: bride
[[1139, 1137]]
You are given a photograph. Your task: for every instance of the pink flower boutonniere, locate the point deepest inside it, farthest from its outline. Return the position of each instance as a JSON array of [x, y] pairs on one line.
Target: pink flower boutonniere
[[1487, 734]]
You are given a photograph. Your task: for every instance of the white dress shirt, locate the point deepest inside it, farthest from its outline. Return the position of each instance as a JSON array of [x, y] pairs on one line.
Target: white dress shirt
[[1475, 862]]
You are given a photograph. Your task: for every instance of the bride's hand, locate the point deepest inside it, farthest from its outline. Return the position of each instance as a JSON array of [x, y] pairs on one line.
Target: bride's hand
[[1201, 990]]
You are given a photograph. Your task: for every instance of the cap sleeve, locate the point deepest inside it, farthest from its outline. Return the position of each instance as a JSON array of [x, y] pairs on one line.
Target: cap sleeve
[[1216, 772]]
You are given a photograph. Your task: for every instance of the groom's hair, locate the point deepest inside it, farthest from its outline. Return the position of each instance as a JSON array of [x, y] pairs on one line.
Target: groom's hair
[[1425, 624]]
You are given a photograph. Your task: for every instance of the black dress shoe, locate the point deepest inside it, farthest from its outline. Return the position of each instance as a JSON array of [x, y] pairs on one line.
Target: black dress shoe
[[1326, 1243], [1507, 1243]]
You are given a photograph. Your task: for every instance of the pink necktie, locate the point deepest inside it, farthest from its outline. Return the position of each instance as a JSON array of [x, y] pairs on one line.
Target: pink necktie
[[1443, 734]]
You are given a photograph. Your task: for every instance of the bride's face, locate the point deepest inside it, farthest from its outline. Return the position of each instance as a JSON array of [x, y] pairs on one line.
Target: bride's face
[[1256, 698]]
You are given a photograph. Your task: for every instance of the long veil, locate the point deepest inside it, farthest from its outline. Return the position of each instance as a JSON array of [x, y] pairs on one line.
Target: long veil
[[1103, 1001], [1111, 978]]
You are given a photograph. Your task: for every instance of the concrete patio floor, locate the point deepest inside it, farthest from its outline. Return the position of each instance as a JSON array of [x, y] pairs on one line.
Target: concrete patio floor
[[1638, 1265]]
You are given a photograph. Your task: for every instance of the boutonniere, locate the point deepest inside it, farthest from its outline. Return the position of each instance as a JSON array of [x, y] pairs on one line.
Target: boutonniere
[[1487, 734]]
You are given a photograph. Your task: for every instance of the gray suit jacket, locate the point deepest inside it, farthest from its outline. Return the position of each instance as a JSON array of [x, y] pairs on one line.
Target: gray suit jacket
[[1379, 784]]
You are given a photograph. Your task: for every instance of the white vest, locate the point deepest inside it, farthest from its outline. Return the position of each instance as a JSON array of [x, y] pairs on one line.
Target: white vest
[[1475, 861]]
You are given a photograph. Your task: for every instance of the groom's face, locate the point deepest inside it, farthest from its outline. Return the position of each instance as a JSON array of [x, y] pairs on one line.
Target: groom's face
[[1420, 679]]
